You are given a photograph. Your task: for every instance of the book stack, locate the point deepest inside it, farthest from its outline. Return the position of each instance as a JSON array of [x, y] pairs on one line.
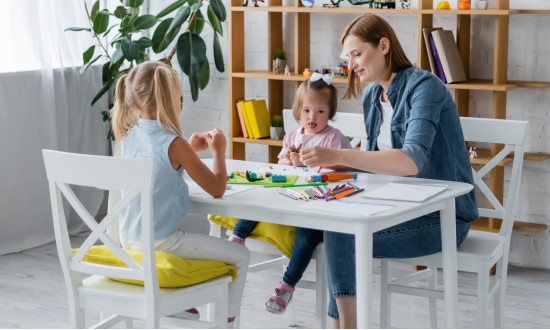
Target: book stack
[[443, 55], [254, 118]]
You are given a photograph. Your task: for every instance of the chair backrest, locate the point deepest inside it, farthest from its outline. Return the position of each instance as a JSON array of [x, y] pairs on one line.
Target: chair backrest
[[511, 133], [106, 173], [350, 124]]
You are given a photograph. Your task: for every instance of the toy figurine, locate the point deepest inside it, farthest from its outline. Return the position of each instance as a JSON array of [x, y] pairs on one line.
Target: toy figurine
[[473, 152], [332, 4], [307, 3], [307, 72], [464, 5], [287, 70], [379, 4], [406, 4], [255, 3]]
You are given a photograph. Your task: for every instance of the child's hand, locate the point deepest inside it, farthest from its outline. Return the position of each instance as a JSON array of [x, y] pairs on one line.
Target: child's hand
[[216, 141], [198, 142], [295, 159], [291, 149]]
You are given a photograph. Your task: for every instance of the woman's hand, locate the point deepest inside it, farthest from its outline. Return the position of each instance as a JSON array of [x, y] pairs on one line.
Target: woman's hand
[[216, 141], [198, 142], [319, 156]]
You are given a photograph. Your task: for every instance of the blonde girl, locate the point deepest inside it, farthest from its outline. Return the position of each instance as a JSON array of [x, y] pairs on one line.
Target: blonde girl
[[146, 124]]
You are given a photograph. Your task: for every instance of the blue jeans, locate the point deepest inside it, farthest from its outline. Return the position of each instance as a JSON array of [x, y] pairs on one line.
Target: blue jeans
[[414, 238], [305, 242]]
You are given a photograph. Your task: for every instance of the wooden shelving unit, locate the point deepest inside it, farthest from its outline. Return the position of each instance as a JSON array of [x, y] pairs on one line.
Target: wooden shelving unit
[[499, 85]]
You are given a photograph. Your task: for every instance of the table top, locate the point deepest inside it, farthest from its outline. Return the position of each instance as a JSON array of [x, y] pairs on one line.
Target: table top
[[265, 204]]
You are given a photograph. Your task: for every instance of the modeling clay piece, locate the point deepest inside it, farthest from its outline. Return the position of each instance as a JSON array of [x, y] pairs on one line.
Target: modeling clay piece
[[252, 179], [278, 178], [331, 177]]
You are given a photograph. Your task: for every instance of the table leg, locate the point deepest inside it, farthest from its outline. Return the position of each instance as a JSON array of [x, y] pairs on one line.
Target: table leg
[[363, 265], [448, 239]]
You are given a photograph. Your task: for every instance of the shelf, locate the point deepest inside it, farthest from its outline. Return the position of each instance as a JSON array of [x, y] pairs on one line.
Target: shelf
[[530, 84], [484, 155], [262, 74], [364, 10], [269, 142], [481, 85], [533, 11], [482, 224]]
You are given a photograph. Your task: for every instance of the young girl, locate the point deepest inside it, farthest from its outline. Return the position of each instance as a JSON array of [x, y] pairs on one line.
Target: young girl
[[146, 124], [314, 105]]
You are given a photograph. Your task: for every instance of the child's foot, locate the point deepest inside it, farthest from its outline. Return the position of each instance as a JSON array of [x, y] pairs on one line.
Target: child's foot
[[280, 299], [233, 238]]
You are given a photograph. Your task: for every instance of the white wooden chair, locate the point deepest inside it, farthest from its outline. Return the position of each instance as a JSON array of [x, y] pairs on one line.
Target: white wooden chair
[[481, 250], [351, 124], [123, 302]]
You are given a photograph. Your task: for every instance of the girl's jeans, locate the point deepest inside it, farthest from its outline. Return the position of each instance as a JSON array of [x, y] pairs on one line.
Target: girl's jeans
[[192, 242], [414, 238], [305, 242]]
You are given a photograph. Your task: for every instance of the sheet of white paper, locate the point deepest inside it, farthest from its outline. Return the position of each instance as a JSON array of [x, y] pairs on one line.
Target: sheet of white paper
[[291, 170], [348, 206], [405, 192], [232, 189]]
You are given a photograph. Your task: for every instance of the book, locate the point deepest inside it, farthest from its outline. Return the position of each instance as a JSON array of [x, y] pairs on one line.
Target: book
[[244, 110], [241, 119], [437, 60], [258, 115], [427, 32], [408, 192], [449, 55]]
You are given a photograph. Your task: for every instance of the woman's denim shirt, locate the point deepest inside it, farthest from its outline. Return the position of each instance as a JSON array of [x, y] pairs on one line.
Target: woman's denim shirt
[[425, 126]]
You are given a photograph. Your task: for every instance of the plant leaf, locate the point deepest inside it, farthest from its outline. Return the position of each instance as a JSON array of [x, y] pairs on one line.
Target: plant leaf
[[102, 91], [196, 6], [95, 8], [109, 30], [216, 25], [181, 17], [171, 8], [161, 39], [144, 42], [134, 3], [87, 55], [85, 67], [129, 49], [78, 29], [101, 22], [117, 56], [194, 84], [198, 24], [145, 22], [120, 12], [218, 54], [204, 75], [219, 9], [191, 51], [106, 72]]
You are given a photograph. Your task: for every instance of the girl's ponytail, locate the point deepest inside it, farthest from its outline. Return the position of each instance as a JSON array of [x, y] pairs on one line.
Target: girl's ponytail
[[167, 119], [120, 114]]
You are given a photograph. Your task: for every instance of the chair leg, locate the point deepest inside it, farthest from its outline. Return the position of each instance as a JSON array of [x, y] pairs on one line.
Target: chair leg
[[290, 309], [432, 283], [482, 294], [217, 313], [499, 294], [321, 291], [128, 323], [385, 295]]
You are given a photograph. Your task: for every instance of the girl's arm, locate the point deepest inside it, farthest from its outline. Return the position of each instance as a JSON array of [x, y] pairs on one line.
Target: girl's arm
[[390, 162], [213, 182]]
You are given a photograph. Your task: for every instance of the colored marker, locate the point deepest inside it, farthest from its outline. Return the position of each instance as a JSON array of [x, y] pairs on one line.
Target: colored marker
[[304, 193]]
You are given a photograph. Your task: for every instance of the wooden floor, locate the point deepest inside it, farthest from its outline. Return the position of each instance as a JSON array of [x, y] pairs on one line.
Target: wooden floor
[[32, 295]]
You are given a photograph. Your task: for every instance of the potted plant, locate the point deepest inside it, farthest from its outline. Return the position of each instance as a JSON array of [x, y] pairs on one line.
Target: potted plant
[[279, 61], [125, 37], [276, 130]]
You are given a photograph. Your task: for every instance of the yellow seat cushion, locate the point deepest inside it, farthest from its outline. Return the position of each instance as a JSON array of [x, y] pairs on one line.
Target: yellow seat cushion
[[172, 271], [280, 236]]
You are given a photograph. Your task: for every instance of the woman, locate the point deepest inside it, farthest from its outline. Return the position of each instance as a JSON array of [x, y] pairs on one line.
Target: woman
[[414, 130]]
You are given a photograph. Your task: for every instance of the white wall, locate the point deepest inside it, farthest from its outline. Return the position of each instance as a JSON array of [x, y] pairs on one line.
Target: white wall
[[529, 59]]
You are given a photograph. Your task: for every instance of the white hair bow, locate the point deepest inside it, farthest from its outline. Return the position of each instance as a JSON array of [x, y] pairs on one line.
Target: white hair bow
[[327, 77]]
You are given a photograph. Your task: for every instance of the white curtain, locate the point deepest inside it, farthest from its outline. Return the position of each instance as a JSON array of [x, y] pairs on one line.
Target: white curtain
[[44, 103]]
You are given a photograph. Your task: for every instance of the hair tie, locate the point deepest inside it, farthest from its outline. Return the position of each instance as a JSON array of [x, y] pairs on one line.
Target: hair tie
[[327, 77]]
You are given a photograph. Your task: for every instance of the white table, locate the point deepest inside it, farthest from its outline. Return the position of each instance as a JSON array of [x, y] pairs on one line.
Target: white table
[[264, 204]]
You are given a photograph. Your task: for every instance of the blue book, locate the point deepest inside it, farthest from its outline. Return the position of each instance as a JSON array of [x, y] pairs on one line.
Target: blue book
[[437, 61]]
